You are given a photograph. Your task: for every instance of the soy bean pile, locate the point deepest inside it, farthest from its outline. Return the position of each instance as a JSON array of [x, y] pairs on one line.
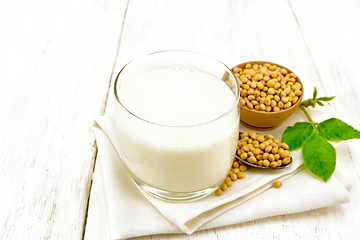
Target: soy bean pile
[[267, 87], [263, 150]]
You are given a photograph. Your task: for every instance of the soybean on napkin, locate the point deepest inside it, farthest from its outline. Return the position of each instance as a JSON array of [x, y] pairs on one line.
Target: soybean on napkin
[[129, 207]]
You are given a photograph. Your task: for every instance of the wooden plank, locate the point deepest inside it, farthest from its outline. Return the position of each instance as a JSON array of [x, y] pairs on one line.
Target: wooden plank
[[56, 62]]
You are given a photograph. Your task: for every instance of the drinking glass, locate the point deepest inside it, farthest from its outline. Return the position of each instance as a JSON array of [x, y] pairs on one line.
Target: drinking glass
[[184, 160]]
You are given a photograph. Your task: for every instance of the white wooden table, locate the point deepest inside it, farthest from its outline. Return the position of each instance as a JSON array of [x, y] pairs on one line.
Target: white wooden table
[[59, 58]]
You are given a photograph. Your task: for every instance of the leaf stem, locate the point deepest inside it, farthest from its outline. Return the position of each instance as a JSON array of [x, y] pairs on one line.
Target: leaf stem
[[306, 113]]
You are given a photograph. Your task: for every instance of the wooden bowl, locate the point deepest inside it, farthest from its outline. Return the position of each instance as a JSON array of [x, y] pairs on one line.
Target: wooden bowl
[[261, 120]]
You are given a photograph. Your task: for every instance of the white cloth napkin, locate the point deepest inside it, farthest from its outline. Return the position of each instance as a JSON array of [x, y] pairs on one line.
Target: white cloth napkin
[[134, 213]]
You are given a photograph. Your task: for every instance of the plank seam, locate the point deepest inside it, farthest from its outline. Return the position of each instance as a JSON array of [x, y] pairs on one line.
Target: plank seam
[[116, 56], [103, 111], [307, 46]]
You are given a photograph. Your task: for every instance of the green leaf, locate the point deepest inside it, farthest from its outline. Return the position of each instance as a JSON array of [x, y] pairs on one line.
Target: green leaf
[[319, 156], [335, 129], [315, 93], [296, 135], [326, 99], [320, 103]]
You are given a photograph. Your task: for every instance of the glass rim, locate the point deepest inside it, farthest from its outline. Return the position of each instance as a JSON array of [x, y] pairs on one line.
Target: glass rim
[[230, 109]]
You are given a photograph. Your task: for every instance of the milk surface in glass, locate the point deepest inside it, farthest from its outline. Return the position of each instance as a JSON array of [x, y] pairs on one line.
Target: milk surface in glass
[[183, 145]]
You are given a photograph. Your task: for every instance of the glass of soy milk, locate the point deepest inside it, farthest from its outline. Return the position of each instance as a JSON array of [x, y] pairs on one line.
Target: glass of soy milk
[[177, 122]]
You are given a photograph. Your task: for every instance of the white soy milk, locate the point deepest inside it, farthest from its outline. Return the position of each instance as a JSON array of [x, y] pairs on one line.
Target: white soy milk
[[184, 144]]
